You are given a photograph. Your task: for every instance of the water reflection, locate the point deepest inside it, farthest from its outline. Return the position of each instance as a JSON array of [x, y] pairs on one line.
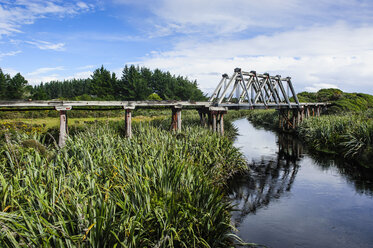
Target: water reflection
[[269, 178], [293, 199], [361, 178]]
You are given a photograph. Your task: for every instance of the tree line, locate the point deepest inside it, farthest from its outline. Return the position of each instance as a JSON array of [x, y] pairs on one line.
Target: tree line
[[135, 83]]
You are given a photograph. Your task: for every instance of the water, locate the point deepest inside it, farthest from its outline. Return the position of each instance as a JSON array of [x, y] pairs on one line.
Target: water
[[293, 199]]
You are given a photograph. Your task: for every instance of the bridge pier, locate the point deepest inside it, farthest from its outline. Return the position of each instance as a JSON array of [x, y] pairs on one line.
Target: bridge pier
[[64, 131], [176, 119], [215, 118], [128, 121]]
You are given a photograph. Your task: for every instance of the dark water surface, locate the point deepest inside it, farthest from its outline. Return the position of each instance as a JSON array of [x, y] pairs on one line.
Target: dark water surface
[[293, 199]]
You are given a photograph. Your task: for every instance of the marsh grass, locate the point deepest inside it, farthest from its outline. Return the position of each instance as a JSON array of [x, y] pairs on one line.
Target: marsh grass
[[157, 189]]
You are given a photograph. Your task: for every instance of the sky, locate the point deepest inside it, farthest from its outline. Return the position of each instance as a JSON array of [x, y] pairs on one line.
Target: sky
[[319, 44]]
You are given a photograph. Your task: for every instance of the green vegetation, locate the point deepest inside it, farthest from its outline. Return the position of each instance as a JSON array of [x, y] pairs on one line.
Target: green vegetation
[[350, 135], [342, 101], [13, 87], [102, 190], [135, 84]]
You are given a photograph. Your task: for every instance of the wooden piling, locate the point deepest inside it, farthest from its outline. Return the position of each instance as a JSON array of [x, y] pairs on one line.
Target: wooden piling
[[128, 123], [222, 123], [176, 119], [213, 113], [64, 131]]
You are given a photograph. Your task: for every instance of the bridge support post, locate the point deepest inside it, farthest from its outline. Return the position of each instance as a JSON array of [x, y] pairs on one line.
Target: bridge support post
[[299, 116], [216, 119], [294, 118], [221, 121], [202, 118], [176, 119], [128, 122], [64, 131], [214, 114]]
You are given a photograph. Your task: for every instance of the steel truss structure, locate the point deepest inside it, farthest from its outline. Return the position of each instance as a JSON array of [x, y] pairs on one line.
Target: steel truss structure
[[255, 90]]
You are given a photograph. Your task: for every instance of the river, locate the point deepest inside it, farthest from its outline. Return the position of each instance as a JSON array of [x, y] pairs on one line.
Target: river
[[294, 199]]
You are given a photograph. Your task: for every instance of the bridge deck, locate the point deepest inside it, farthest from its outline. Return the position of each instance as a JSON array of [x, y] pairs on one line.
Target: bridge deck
[[30, 105]]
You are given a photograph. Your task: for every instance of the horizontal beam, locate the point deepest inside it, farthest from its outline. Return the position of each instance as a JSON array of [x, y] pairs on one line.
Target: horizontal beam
[[271, 105], [124, 104], [77, 105]]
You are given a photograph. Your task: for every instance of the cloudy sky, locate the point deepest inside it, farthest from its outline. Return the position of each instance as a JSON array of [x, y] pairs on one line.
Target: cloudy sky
[[324, 43]]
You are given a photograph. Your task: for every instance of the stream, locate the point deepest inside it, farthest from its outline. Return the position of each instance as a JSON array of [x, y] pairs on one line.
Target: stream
[[292, 198]]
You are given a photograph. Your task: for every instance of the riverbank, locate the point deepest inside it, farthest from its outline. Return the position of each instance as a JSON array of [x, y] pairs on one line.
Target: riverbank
[[156, 189], [349, 135]]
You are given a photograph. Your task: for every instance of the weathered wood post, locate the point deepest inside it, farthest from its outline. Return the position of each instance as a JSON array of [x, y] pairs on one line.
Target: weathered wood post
[[176, 118], [294, 119], [287, 119], [64, 131], [299, 116], [217, 119], [222, 123], [213, 113], [201, 118], [128, 121]]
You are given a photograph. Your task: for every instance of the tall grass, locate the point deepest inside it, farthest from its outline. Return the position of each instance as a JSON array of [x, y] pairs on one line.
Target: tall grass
[[350, 135], [102, 190]]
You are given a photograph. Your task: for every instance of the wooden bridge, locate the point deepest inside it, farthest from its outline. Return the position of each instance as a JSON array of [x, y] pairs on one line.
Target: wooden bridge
[[252, 90]]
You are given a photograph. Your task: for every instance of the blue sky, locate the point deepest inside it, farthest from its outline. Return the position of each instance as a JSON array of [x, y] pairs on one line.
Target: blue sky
[[318, 43]]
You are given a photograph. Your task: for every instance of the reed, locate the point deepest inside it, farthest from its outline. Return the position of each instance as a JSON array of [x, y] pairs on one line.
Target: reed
[[102, 190]]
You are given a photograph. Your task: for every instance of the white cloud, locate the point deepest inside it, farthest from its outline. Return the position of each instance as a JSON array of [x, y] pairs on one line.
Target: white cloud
[[338, 55], [316, 87], [87, 67], [12, 53], [222, 17], [14, 14], [45, 70], [45, 45], [81, 75]]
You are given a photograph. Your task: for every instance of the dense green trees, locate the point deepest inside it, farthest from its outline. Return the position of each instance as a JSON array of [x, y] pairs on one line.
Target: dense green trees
[[13, 87], [135, 84]]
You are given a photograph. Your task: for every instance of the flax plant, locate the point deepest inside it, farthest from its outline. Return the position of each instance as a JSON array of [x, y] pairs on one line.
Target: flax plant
[[157, 189]]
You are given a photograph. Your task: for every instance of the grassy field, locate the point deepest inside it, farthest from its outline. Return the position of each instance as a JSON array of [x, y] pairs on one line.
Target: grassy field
[[52, 122]]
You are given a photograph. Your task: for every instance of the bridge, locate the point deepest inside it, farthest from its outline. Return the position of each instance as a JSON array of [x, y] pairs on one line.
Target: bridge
[[243, 90]]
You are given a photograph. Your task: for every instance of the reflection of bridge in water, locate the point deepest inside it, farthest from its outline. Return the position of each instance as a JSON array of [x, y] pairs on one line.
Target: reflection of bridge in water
[[272, 177], [269, 178]]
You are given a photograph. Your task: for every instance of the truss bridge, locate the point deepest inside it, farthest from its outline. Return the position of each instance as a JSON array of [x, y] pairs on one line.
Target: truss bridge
[[251, 90]]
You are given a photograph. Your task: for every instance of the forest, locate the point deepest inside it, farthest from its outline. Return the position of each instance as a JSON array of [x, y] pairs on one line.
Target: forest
[[135, 83]]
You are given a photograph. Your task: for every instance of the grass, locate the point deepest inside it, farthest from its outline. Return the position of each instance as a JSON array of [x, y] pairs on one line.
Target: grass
[[157, 189], [51, 122]]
